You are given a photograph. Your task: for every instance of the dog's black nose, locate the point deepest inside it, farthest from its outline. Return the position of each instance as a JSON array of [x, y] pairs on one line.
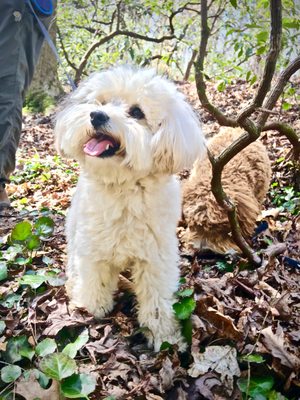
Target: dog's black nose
[[98, 118]]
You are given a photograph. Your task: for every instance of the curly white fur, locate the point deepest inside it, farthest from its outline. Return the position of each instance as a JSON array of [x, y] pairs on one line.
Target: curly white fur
[[126, 207]]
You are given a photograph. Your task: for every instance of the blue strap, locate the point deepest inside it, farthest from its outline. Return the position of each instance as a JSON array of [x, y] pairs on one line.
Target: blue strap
[[43, 7], [51, 44]]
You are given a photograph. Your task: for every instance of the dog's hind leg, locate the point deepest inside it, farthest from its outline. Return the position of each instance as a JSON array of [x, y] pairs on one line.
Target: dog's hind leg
[[155, 287], [94, 286]]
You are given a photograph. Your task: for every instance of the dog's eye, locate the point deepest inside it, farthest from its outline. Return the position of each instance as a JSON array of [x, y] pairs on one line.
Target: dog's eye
[[136, 112]]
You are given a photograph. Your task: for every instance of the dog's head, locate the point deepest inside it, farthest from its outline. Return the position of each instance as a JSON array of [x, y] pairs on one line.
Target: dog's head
[[132, 119]]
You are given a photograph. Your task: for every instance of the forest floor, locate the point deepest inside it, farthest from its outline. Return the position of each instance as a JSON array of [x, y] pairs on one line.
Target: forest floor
[[245, 325]]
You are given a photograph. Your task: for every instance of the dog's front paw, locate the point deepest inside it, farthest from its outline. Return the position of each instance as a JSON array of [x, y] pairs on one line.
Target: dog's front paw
[[170, 333], [97, 307], [174, 339]]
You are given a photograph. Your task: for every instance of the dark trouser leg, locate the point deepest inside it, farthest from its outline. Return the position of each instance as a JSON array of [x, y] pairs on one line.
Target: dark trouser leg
[[20, 45]]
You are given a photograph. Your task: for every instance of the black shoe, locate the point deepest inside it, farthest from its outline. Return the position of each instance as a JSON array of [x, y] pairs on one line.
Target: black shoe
[[4, 200]]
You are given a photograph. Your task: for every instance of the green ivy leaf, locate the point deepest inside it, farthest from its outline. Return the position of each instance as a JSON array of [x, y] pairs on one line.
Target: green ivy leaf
[[257, 386], [187, 330], [185, 292], [166, 346], [224, 266], [3, 271], [72, 348], [286, 106], [58, 366], [54, 279], [249, 52], [78, 386], [290, 23], [273, 395], [253, 79], [2, 327], [240, 53], [221, 86], [33, 242], [10, 300], [34, 281], [278, 161], [43, 227], [253, 358], [262, 36], [47, 260], [39, 375], [233, 3], [13, 250], [260, 50], [248, 75], [131, 52], [18, 347], [10, 373], [21, 231], [45, 347], [23, 261], [184, 308]]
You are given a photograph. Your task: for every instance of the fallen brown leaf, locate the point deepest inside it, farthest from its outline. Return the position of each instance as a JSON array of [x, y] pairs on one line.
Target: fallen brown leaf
[[223, 324], [167, 374], [30, 389], [98, 348], [275, 344], [206, 383], [60, 318], [220, 359]]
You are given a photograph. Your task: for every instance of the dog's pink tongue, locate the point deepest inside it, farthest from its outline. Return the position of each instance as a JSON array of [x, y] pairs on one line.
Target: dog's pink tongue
[[95, 148]]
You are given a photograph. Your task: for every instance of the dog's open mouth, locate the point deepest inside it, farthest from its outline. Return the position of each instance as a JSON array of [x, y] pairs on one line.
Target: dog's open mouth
[[101, 146]]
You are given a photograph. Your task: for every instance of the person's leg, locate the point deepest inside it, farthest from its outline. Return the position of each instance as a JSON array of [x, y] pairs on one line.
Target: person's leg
[[20, 44]]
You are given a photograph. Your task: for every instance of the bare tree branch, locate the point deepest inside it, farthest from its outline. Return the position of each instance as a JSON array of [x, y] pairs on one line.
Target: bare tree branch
[[86, 28], [182, 35], [88, 53], [146, 38], [148, 60], [271, 60], [277, 90], [199, 75], [289, 132], [120, 30], [72, 65], [217, 15], [225, 202], [95, 45], [252, 130], [219, 162], [190, 65]]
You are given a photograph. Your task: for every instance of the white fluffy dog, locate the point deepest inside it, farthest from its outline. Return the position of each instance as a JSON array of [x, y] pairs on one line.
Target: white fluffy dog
[[130, 131]]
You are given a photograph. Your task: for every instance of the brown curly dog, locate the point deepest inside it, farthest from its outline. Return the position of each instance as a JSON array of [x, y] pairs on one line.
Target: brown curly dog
[[245, 179]]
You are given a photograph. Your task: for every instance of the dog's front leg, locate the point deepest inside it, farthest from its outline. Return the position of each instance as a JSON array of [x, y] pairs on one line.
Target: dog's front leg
[[93, 286], [155, 287]]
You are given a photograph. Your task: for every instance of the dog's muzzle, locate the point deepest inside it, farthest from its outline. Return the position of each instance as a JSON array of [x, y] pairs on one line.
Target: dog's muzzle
[[101, 144]]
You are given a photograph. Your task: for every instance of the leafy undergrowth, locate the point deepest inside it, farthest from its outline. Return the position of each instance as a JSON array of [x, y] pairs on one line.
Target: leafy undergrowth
[[242, 325]]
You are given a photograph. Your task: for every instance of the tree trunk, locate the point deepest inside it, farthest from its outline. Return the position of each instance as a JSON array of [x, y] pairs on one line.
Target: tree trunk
[[46, 77]]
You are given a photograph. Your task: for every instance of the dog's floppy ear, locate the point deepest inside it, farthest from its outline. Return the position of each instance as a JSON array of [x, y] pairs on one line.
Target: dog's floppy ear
[[179, 140]]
